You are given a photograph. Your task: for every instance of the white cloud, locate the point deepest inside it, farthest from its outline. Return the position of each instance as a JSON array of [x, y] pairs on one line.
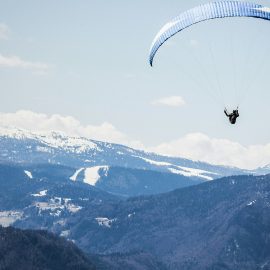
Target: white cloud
[[16, 62], [4, 31], [173, 101], [39, 122], [198, 146]]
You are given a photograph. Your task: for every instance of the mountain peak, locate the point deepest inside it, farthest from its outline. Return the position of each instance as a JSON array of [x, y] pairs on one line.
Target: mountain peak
[[54, 139]]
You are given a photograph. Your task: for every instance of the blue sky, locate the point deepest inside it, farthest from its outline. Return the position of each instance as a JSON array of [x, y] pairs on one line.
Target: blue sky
[[89, 60]]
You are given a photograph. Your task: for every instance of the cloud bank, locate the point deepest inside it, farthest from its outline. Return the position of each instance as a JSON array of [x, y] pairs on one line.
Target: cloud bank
[[39, 122], [196, 146], [16, 62]]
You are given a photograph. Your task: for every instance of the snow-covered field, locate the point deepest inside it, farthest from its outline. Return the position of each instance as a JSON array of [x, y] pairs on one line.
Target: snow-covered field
[[7, 218]]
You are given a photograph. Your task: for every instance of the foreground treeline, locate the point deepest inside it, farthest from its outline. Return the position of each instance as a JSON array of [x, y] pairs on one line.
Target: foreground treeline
[[39, 250]]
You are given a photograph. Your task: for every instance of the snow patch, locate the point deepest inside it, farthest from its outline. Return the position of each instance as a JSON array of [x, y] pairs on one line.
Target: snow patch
[[251, 203], [180, 169], [131, 215], [56, 213], [42, 193], [91, 175], [105, 222], [29, 174], [65, 233], [72, 208], [74, 176], [189, 172], [7, 218], [153, 162], [56, 205]]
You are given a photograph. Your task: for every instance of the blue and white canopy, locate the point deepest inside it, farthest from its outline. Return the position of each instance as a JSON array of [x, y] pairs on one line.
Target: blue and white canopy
[[212, 10]]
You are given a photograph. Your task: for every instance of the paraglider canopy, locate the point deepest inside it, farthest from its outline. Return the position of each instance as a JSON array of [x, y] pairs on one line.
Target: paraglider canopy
[[212, 10]]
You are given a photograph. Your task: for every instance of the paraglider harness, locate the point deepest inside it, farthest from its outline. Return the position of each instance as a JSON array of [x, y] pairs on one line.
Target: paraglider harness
[[232, 116]]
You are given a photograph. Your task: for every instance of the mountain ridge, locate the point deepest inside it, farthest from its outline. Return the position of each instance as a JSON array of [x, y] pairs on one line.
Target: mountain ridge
[[221, 224], [21, 146], [28, 249]]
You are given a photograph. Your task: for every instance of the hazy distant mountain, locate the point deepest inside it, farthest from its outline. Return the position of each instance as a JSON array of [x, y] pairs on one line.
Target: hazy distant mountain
[[223, 224], [263, 170], [21, 146], [114, 168], [40, 250]]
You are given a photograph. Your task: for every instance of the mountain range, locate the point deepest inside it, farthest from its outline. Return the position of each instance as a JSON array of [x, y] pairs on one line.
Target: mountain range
[[21, 146], [114, 168], [219, 224], [222, 224], [129, 209]]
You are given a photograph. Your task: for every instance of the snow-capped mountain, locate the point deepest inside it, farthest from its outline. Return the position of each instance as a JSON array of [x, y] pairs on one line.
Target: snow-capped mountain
[[89, 156], [263, 170]]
